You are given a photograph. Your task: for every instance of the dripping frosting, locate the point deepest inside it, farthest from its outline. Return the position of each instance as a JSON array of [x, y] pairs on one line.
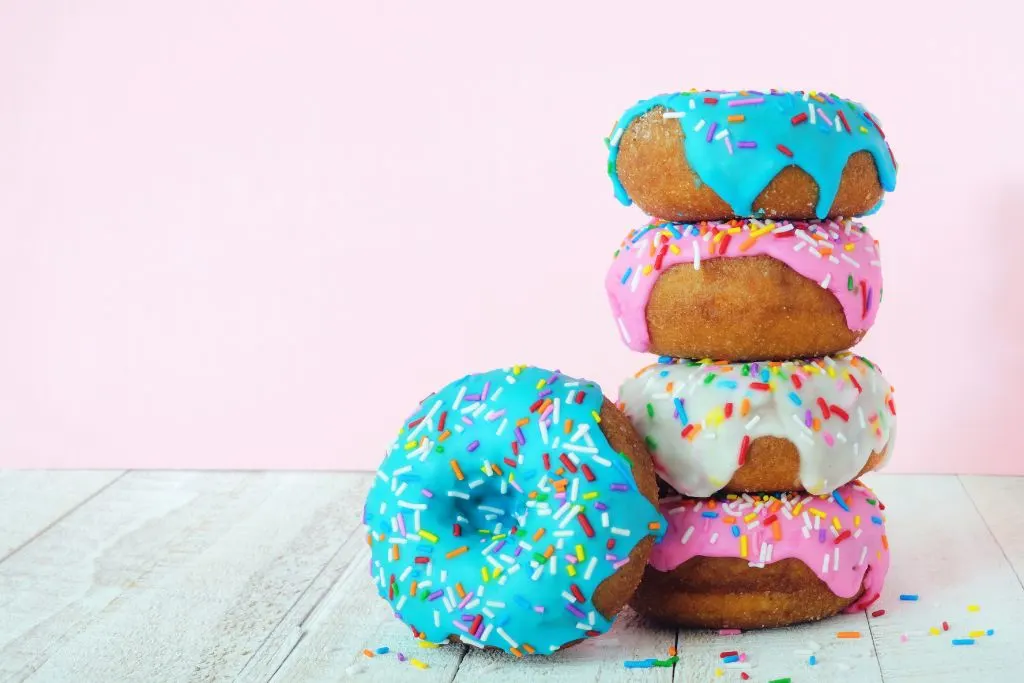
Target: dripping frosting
[[500, 508], [816, 132], [839, 255], [699, 417], [840, 536]]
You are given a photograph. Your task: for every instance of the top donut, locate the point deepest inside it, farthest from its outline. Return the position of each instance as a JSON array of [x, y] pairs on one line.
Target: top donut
[[719, 155]]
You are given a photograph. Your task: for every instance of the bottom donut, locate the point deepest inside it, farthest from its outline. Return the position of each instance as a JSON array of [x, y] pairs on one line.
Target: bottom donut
[[759, 561]]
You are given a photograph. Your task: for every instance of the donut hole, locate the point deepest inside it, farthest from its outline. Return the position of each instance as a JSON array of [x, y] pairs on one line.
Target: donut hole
[[488, 511]]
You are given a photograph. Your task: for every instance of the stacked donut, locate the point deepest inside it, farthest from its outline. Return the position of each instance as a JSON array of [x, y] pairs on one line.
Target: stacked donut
[[751, 281]]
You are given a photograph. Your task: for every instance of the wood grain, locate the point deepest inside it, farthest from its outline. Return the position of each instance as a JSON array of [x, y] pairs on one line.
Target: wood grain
[[782, 653], [598, 659], [943, 552], [218, 576], [350, 618], [998, 501], [32, 500], [170, 576]]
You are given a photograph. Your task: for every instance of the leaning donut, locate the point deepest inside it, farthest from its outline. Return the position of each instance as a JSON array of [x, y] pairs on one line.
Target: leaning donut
[[765, 561], [516, 510], [745, 289], [713, 155]]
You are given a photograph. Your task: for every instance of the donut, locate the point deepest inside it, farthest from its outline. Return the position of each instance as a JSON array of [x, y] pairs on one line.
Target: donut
[[745, 289], [516, 510], [741, 561], [808, 425], [716, 155]]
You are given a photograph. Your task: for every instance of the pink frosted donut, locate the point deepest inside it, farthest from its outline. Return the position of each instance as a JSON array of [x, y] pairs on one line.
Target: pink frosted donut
[[745, 289], [742, 561]]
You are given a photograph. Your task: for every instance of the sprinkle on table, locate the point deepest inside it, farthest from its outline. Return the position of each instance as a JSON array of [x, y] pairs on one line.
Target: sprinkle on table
[[908, 597], [639, 663], [848, 634], [963, 641]]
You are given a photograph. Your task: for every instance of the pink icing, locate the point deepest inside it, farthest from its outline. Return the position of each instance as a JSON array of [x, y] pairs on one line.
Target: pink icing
[[804, 527], [840, 255]]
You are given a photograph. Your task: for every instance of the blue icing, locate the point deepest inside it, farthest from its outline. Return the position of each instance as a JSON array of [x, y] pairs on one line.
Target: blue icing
[[739, 164], [513, 576]]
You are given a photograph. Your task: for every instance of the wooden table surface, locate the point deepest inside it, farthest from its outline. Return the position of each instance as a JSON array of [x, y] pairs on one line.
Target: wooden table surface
[[260, 576]]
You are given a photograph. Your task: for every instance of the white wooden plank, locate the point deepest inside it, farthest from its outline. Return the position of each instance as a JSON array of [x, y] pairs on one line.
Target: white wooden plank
[[280, 643], [597, 659], [943, 552], [1000, 500], [350, 618], [31, 500], [783, 653], [170, 575]]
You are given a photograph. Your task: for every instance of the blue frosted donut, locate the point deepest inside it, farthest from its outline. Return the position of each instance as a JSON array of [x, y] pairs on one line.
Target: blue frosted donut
[[503, 515], [718, 155]]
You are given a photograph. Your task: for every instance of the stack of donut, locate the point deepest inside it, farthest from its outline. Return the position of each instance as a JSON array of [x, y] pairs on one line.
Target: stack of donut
[[518, 509], [751, 281]]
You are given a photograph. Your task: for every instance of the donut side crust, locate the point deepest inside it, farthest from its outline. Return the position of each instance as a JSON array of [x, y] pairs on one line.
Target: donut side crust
[[744, 308], [726, 592], [615, 592], [773, 466]]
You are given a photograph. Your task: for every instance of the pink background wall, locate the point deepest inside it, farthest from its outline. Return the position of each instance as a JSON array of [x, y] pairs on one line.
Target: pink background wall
[[255, 238]]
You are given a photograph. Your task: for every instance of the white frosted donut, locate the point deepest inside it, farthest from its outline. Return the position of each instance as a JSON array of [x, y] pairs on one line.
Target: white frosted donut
[[700, 417]]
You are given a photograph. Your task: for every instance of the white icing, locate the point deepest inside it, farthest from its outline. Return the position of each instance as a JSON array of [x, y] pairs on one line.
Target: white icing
[[701, 465]]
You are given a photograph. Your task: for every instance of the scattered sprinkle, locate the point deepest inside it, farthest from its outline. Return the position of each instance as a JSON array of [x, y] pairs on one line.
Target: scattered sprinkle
[[639, 663]]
